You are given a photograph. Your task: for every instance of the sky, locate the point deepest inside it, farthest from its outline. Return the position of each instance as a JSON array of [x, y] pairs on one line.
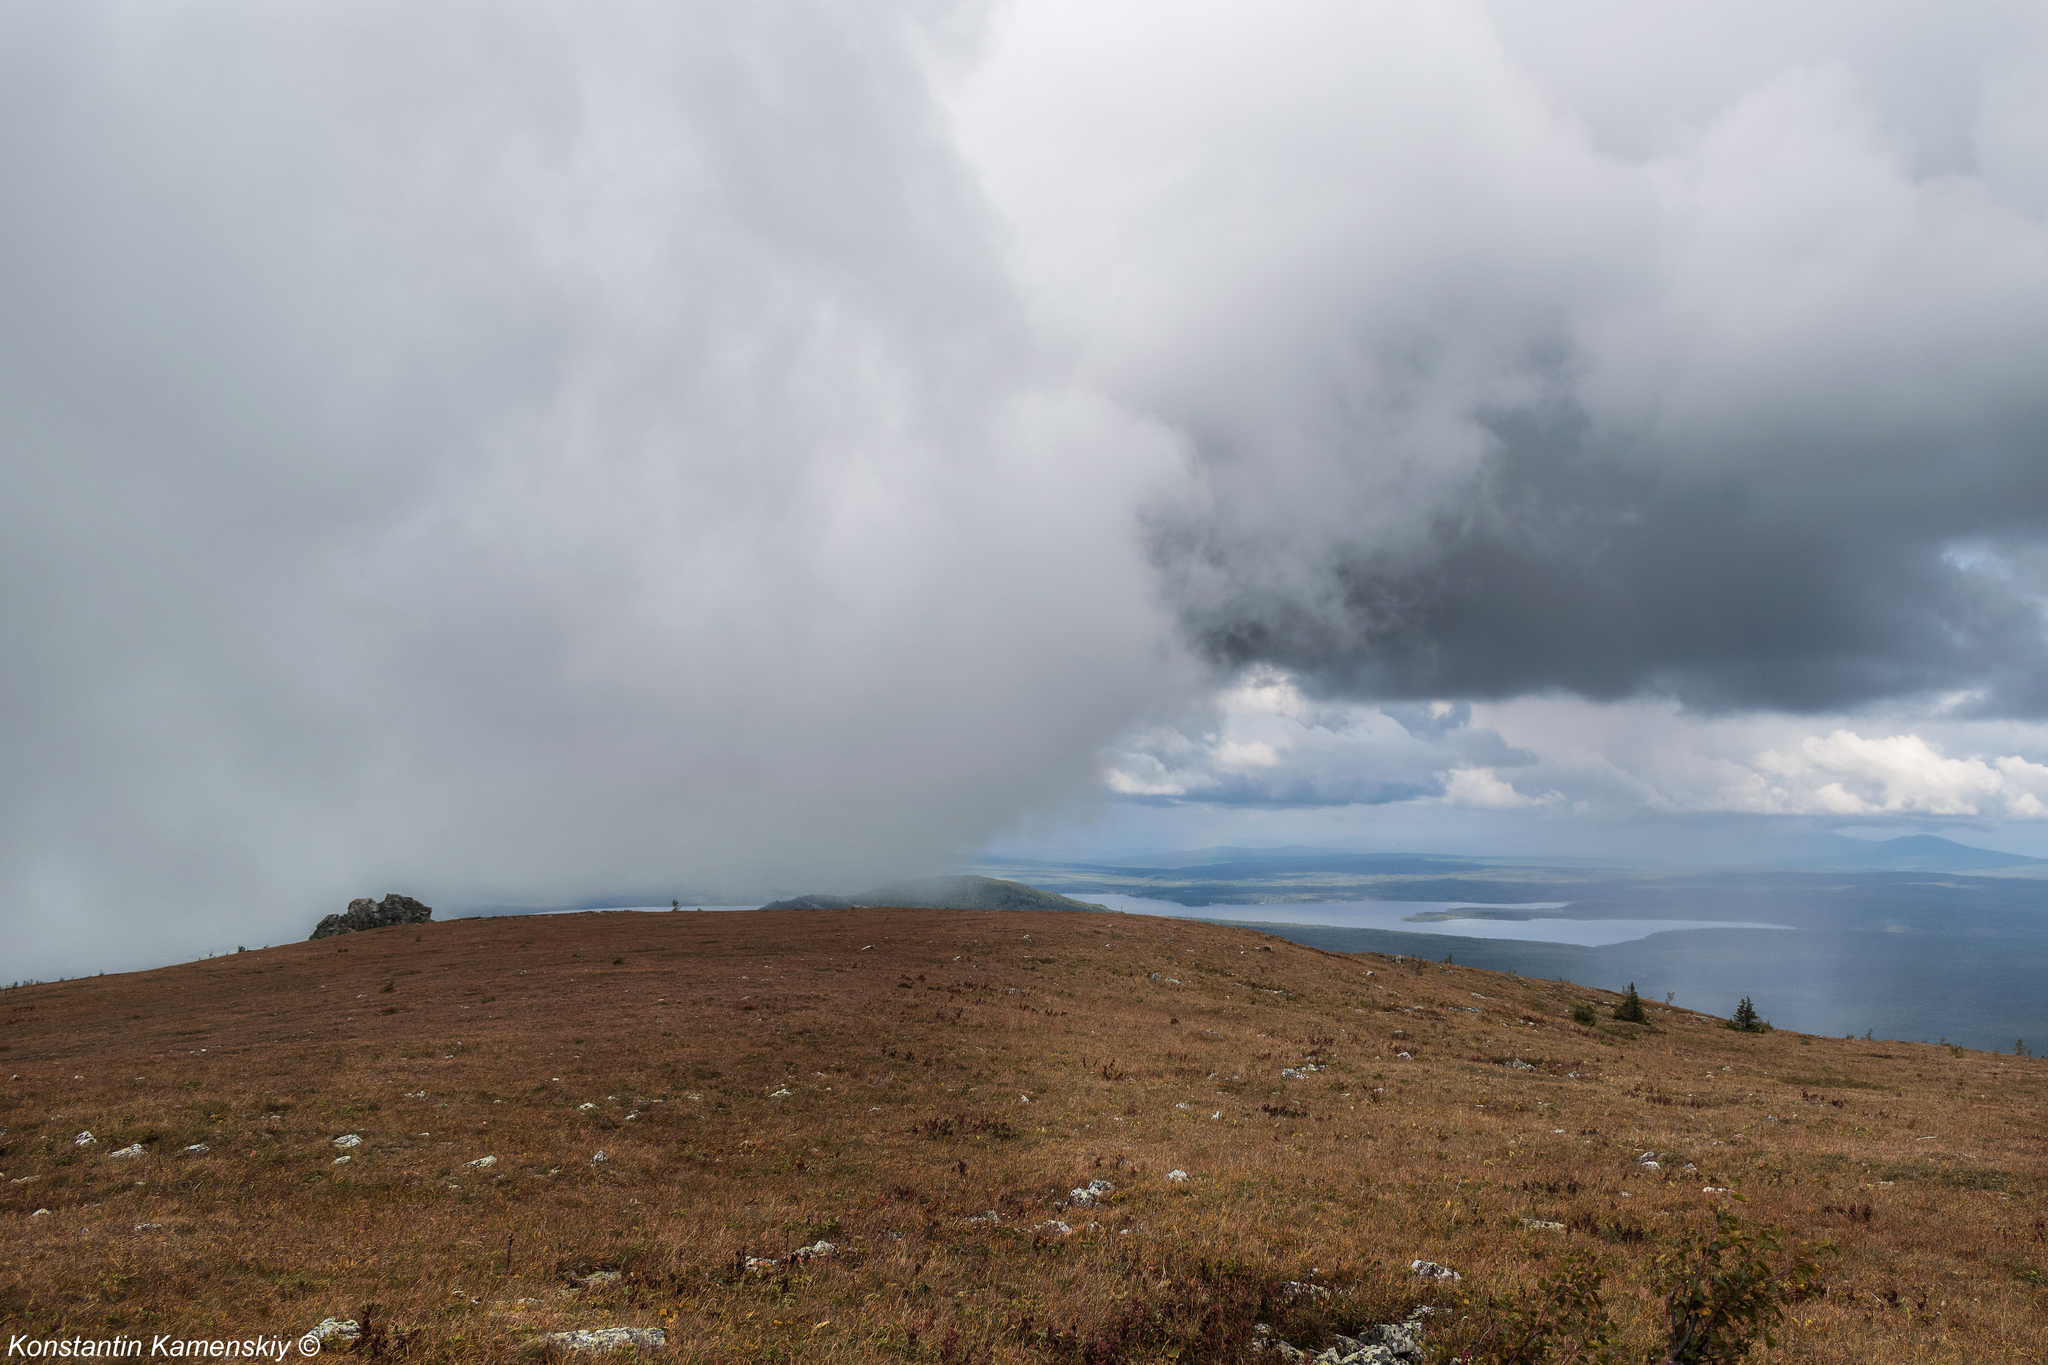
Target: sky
[[520, 454]]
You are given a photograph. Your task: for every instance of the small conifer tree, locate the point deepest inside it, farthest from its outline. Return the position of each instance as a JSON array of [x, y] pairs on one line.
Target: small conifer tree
[[1630, 1010], [1746, 1019]]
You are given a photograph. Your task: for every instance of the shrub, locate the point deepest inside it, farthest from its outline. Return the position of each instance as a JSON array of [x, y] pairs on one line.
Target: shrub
[[1582, 1013], [1724, 1292], [1630, 1010], [1565, 1321]]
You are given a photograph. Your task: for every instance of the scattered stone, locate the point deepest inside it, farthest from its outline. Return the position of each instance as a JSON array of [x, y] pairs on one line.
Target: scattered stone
[[85, 1139], [586, 1105], [1294, 1289], [1290, 1073], [598, 1160], [608, 1339], [1519, 1065], [990, 1218], [1178, 1177], [1722, 1189], [147, 1227], [133, 1149], [482, 1163], [1542, 1225], [597, 1277], [199, 1149], [1430, 1270], [338, 1160], [813, 1251], [1049, 1225], [330, 1328], [1090, 1194], [40, 1213], [348, 1140], [364, 913], [781, 1094]]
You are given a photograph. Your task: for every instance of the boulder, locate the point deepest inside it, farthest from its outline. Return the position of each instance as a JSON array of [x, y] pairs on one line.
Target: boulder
[[364, 913]]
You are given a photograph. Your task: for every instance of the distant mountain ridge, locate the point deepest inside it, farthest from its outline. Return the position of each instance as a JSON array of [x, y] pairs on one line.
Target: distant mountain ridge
[[1910, 853], [943, 893]]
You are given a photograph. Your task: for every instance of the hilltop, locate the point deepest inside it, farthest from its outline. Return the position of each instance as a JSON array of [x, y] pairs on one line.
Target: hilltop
[[943, 893], [923, 1090]]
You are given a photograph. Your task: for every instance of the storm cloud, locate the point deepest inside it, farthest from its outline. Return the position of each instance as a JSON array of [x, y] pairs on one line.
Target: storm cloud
[[520, 453], [1589, 355]]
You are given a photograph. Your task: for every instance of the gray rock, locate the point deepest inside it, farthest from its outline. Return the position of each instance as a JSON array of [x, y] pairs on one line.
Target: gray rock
[[329, 1328], [364, 913], [609, 1339], [1390, 1343]]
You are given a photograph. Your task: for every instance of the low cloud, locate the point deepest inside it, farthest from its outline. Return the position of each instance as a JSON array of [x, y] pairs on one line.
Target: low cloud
[[1265, 742]]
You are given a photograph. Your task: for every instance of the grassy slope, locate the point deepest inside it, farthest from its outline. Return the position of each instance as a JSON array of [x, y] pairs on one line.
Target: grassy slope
[[907, 1040]]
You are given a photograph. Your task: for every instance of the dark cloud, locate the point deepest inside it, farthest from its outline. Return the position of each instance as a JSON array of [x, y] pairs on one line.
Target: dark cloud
[[1565, 568], [1567, 353]]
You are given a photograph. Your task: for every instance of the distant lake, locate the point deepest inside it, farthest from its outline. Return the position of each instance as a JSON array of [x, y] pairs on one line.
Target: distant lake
[[1532, 922]]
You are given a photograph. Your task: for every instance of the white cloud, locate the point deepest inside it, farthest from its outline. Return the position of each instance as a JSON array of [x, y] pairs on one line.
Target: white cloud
[[1844, 773], [1484, 789]]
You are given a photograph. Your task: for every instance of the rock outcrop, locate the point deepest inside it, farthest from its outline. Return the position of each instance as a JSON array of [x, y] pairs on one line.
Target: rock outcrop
[[364, 913], [1390, 1343]]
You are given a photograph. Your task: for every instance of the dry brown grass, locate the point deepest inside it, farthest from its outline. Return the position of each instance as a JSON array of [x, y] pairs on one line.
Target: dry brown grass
[[908, 1040]]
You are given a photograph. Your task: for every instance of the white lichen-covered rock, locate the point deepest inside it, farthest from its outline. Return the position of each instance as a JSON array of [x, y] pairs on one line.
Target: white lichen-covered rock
[[134, 1149], [990, 1218], [329, 1328], [1294, 1289], [85, 1139], [1178, 1177], [349, 1140], [1090, 1194], [482, 1163], [1542, 1225], [609, 1339], [199, 1149], [1049, 1225], [1390, 1343], [813, 1251], [1430, 1270]]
